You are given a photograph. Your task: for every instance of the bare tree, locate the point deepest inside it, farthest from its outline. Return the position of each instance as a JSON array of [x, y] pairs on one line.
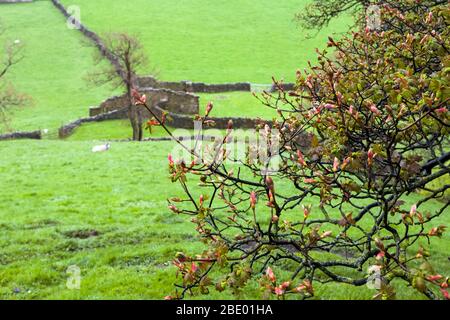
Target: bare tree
[[125, 56], [9, 97]]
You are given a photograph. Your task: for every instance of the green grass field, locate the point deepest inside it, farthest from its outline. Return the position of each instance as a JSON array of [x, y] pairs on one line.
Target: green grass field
[[213, 41], [56, 60], [50, 207], [63, 205], [53, 68]]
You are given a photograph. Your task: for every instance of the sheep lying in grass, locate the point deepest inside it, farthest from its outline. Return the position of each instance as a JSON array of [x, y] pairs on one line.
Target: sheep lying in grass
[[101, 148]]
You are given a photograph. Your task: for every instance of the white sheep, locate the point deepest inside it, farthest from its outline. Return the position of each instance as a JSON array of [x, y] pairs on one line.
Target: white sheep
[[101, 148]]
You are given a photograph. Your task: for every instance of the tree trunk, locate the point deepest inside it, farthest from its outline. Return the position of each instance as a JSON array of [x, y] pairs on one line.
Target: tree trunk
[[134, 122], [134, 115], [140, 125]]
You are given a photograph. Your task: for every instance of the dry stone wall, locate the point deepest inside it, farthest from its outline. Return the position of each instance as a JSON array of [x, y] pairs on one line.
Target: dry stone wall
[[284, 86], [183, 121], [195, 87], [172, 97], [68, 129], [15, 1], [93, 37], [175, 119], [36, 135]]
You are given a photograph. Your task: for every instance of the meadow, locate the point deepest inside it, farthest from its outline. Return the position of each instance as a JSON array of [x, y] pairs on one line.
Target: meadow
[[57, 60], [62, 205], [214, 41], [54, 66], [107, 214]]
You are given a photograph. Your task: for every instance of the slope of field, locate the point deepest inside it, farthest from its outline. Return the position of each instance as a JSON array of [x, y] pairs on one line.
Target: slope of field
[[53, 69], [62, 205], [213, 41]]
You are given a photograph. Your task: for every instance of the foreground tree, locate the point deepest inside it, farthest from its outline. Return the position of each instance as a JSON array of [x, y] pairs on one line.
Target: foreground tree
[[127, 56], [365, 128], [319, 13], [9, 97]]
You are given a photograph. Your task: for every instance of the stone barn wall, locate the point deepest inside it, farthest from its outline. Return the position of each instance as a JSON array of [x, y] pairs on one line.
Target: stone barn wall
[[174, 101]]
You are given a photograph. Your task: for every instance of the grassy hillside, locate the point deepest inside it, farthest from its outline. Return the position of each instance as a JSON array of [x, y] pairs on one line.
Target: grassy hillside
[[213, 41], [106, 213], [234, 48], [54, 65]]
